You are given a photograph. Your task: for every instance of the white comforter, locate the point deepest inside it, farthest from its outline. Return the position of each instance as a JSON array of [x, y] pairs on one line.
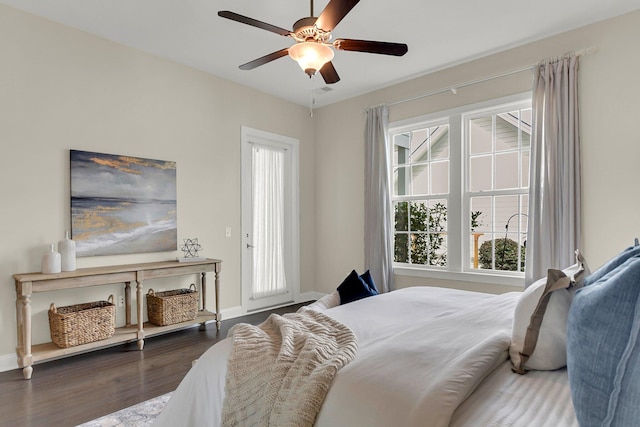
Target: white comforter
[[421, 352]]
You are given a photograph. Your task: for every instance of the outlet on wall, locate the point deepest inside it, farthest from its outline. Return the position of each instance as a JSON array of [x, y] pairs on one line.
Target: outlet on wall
[[120, 300]]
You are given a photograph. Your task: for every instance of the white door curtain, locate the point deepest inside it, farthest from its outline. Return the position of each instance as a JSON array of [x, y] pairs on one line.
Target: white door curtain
[[268, 221]]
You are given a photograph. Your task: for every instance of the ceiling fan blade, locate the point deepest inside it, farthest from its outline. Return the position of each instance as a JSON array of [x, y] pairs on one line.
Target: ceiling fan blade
[[384, 48], [265, 59], [333, 13], [329, 73], [253, 22]]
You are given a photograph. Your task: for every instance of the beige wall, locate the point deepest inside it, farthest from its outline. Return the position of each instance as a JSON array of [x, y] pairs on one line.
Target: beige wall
[[63, 89], [609, 102]]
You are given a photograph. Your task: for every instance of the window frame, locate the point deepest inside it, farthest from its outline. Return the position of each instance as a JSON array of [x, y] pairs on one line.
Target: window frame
[[457, 198], [430, 196]]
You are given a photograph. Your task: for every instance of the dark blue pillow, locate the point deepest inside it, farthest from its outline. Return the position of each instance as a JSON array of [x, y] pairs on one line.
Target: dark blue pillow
[[603, 348], [366, 277], [353, 288], [612, 264]]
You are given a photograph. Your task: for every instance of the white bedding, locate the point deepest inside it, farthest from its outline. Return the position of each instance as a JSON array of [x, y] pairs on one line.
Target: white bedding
[[421, 352], [505, 399]]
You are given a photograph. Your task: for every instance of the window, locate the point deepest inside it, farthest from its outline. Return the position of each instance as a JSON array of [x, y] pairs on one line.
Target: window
[[460, 189], [420, 190], [498, 144]]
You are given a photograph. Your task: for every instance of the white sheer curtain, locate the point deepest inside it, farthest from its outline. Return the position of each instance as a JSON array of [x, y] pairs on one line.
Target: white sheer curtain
[[268, 221], [555, 191], [378, 236]]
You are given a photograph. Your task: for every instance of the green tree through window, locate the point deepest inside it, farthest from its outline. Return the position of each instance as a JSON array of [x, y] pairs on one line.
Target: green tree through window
[[424, 238]]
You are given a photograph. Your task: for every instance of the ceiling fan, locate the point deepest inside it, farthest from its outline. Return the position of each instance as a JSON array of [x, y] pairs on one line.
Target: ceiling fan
[[313, 49]]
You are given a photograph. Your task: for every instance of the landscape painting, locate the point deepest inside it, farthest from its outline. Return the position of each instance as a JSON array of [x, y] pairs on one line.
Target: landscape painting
[[122, 204]]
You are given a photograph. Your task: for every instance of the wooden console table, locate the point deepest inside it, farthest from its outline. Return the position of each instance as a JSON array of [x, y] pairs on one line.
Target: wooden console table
[[30, 283]]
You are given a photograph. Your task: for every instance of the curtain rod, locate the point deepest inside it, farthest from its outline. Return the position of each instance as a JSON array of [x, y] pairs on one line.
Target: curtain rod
[[454, 88]]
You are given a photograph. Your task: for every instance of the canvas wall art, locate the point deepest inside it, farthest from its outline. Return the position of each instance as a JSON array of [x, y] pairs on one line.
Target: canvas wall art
[[122, 204]]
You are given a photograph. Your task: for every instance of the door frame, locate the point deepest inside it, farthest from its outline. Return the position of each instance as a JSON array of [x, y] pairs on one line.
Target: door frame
[[250, 136]]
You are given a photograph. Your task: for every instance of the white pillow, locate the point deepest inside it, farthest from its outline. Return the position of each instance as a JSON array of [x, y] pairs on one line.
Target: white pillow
[[551, 347], [327, 301]]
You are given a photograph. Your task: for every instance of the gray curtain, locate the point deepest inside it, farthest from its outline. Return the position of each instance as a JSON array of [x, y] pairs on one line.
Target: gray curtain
[[378, 236], [555, 189]]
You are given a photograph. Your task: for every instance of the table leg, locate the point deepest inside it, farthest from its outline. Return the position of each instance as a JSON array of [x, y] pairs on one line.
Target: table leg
[[127, 303], [25, 358], [216, 284], [203, 289], [140, 315], [20, 328]]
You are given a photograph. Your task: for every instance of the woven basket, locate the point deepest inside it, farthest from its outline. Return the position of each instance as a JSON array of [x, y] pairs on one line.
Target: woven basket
[[82, 323], [169, 307]]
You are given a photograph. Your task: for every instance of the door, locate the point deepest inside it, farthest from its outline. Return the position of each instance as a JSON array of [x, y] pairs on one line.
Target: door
[[270, 219]]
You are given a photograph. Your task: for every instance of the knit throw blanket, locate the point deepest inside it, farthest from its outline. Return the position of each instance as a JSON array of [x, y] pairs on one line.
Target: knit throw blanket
[[279, 372]]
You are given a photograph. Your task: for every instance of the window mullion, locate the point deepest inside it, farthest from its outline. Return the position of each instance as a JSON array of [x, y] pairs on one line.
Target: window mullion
[[455, 211]]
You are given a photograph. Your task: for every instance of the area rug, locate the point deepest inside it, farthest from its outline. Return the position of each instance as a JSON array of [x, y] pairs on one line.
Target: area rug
[[142, 414]]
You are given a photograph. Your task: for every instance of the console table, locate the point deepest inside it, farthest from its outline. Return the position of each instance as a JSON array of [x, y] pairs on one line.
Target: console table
[[30, 283]]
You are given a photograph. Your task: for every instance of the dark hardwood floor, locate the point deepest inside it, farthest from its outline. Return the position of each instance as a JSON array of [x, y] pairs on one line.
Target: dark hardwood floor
[[71, 391]]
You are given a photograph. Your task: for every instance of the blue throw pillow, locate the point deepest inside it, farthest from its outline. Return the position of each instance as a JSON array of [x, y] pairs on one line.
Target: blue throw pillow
[[354, 288], [603, 348], [612, 264], [366, 277]]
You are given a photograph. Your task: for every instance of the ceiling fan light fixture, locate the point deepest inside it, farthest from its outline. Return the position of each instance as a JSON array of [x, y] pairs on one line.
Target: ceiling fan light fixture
[[313, 51], [311, 56]]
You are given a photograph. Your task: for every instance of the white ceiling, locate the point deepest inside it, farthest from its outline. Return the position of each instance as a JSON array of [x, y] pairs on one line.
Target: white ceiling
[[439, 33]]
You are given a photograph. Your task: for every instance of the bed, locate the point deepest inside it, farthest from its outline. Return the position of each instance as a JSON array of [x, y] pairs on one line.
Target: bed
[[431, 356], [408, 350]]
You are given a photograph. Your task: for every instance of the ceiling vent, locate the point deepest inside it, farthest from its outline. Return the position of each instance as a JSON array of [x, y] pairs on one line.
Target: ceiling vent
[[322, 90]]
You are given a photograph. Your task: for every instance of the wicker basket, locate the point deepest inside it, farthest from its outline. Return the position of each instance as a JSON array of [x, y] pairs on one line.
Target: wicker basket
[[82, 323], [167, 308]]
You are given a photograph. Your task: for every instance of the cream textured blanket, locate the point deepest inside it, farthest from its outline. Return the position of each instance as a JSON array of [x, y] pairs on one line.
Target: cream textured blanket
[[280, 371]]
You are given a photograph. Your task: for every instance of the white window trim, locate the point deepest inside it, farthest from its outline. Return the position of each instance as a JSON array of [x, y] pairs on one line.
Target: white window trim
[[455, 269], [505, 279]]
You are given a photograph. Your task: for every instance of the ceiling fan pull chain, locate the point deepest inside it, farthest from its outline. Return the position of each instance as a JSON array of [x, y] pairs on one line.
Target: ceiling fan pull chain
[[312, 100]]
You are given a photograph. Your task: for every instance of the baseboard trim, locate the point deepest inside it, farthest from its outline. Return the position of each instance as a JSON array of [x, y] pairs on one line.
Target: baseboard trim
[[8, 362], [230, 313], [310, 296]]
